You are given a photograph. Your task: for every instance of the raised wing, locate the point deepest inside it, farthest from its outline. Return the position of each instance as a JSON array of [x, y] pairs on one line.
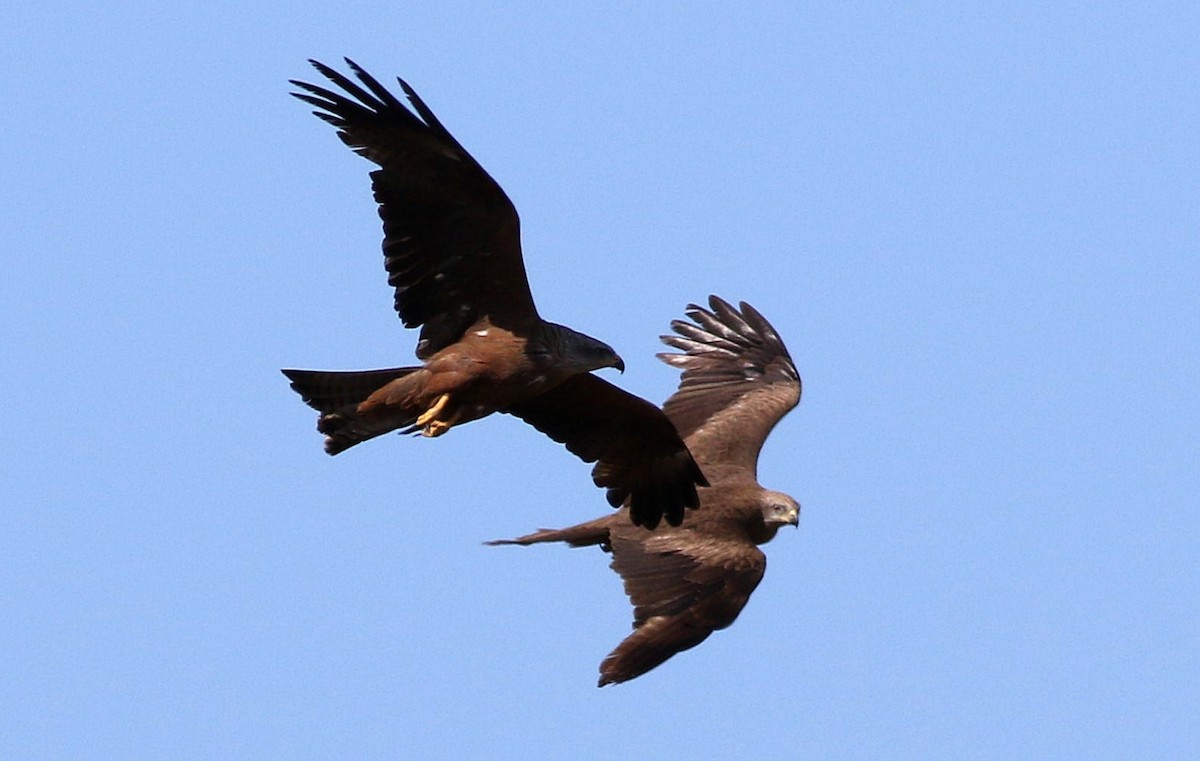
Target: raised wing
[[451, 237], [683, 586], [738, 382], [638, 454]]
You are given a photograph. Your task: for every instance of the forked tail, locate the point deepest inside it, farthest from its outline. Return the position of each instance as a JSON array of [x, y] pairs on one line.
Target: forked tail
[[336, 395]]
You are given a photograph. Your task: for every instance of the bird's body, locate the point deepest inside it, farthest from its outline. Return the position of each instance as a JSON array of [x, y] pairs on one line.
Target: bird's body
[[687, 581], [490, 369], [452, 252]]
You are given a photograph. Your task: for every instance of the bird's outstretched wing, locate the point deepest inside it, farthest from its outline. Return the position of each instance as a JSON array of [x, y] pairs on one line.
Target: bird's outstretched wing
[[638, 454], [683, 586], [738, 382], [451, 237]]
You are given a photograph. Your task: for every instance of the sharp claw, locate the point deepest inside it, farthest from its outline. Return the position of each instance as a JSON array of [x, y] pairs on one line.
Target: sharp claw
[[429, 423], [431, 414]]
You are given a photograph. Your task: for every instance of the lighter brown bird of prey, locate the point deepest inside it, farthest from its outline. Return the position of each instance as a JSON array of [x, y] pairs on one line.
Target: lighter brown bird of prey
[[686, 582], [452, 251]]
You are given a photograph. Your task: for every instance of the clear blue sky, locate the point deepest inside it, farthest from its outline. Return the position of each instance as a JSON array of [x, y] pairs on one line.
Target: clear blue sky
[[977, 229]]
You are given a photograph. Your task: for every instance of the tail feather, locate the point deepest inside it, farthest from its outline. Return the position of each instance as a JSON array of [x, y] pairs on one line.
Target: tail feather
[[337, 394], [331, 390], [583, 535]]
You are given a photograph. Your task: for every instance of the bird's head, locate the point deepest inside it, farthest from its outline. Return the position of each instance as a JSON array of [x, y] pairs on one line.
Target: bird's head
[[585, 353], [779, 509]]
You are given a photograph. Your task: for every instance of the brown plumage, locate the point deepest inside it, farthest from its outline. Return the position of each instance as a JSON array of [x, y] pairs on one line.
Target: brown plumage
[[452, 251], [686, 582]]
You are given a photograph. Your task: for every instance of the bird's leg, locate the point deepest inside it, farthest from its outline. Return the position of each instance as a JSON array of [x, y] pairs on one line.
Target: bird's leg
[[433, 411], [436, 428], [428, 420]]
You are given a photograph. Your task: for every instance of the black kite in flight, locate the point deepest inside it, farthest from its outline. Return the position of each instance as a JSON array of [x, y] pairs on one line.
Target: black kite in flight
[[686, 582], [452, 251]]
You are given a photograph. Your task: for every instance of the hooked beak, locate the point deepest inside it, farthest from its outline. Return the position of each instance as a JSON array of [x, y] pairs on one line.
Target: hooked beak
[[620, 365]]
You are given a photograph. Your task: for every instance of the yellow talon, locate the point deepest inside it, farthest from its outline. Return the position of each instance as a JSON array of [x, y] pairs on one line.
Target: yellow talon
[[430, 425], [431, 413], [436, 428]]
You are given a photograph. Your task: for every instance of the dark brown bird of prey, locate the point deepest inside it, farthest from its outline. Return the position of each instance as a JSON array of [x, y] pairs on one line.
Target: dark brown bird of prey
[[686, 582], [452, 250]]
